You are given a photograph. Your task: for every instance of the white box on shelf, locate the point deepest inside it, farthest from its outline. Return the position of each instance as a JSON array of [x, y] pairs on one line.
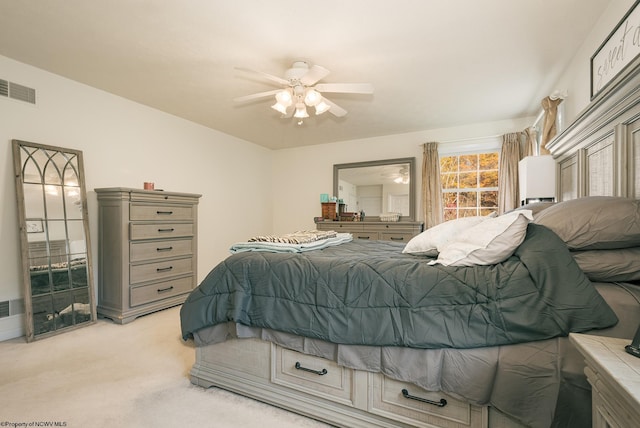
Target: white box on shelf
[[537, 177]]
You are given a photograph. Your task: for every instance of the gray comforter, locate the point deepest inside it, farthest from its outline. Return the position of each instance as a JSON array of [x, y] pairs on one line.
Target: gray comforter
[[369, 293]]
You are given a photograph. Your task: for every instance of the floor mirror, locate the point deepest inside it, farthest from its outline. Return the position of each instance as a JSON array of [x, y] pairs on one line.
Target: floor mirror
[[54, 235]]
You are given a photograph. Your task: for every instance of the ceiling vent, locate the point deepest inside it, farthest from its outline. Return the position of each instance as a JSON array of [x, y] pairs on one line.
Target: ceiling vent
[[17, 92]]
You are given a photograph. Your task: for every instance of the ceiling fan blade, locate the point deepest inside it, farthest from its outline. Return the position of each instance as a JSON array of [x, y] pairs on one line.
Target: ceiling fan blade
[[268, 76], [256, 96], [347, 88], [335, 109], [314, 74]]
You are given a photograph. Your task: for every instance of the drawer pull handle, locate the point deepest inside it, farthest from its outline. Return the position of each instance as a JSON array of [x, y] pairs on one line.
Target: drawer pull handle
[[440, 403], [164, 249], [166, 230], [165, 269], [318, 372], [394, 238], [164, 212], [163, 290], [363, 237]]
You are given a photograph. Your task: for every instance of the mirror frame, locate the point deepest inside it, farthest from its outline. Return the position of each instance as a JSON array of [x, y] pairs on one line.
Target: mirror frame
[[383, 162], [31, 335]]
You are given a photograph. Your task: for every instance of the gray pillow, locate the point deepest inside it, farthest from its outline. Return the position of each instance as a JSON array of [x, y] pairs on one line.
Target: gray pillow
[[595, 222], [610, 265], [536, 207]]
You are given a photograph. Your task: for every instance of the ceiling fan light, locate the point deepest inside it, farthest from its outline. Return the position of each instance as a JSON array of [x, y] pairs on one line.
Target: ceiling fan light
[[279, 107], [312, 98], [321, 107], [284, 98], [301, 111]]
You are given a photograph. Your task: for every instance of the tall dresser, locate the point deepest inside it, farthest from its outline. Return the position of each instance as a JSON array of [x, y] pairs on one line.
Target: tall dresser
[[147, 250]]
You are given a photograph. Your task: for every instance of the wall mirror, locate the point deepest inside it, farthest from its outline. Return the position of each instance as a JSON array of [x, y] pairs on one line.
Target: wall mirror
[[54, 235], [377, 187]]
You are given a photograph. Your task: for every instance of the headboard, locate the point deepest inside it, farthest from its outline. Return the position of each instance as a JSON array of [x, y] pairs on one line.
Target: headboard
[[599, 153]]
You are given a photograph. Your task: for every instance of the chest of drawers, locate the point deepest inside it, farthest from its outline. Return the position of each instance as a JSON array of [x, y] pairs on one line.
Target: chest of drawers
[[401, 231], [147, 251]]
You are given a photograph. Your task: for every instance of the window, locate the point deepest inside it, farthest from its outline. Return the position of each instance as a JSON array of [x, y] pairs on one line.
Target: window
[[469, 184]]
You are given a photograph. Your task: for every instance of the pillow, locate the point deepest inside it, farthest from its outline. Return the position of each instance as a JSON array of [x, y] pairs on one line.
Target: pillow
[[610, 265], [595, 222], [536, 207], [431, 241], [490, 242]]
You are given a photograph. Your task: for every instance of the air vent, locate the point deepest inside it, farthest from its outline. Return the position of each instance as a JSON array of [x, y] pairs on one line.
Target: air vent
[[16, 307], [9, 308], [17, 92], [4, 309]]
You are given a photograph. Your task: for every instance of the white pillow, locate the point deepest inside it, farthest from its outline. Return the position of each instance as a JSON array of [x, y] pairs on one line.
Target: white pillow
[[490, 242], [434, 239]]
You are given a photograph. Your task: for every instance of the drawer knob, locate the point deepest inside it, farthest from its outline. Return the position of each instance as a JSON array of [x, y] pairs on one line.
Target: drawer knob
[[318, 372], [440, 403]]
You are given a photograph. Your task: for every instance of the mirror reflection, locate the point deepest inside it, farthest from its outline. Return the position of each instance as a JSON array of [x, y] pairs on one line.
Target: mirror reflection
[[377, 187], [54, 237]]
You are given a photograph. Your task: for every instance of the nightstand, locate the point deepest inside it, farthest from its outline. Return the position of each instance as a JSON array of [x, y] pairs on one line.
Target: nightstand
[[614, 376]]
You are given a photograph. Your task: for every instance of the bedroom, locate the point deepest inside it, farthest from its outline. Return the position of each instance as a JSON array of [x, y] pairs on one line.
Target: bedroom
[[126, 144]]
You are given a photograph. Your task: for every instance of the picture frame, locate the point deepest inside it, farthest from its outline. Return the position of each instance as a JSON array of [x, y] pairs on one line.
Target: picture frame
[[35, 225], [617, 51]]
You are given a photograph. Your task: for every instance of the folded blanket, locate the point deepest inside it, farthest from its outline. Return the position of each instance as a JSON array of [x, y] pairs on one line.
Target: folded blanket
[[284, 247], [300, 237]]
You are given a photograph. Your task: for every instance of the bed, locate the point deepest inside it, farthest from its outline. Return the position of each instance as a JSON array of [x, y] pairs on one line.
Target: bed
[[360, 350]]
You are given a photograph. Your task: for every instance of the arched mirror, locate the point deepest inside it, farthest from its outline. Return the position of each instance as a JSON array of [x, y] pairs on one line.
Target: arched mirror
[[54, 235]]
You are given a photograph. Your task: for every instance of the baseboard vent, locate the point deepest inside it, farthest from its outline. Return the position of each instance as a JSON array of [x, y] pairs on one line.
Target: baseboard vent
[[17, 92], [11, 307]]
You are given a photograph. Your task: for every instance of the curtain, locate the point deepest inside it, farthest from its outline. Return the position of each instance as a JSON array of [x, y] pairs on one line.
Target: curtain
[[431, 186], [508, 197], [530, 142], [549, 130]]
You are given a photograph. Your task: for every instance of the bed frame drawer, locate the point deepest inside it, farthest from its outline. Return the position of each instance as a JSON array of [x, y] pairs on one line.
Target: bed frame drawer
[[387, 398], [313, 375]]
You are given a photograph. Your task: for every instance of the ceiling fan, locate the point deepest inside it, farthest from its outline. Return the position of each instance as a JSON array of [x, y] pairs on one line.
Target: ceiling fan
[[300, 89]]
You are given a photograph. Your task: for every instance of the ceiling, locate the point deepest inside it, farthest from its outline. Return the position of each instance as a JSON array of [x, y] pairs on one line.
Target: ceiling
[[433, 63]]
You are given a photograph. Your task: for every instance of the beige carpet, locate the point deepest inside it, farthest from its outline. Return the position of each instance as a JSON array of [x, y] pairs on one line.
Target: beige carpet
[[133, 375]]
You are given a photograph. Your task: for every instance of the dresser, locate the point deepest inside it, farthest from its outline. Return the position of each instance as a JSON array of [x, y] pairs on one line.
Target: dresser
[[614, 376], [400, 231], [147, 251]]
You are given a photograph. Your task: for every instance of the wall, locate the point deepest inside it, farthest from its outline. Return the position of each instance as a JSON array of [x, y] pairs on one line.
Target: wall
[[301, 174], [125, 144], [576, 78]]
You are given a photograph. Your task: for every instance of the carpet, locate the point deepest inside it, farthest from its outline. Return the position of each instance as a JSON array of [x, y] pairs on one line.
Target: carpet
[[132, 375]]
